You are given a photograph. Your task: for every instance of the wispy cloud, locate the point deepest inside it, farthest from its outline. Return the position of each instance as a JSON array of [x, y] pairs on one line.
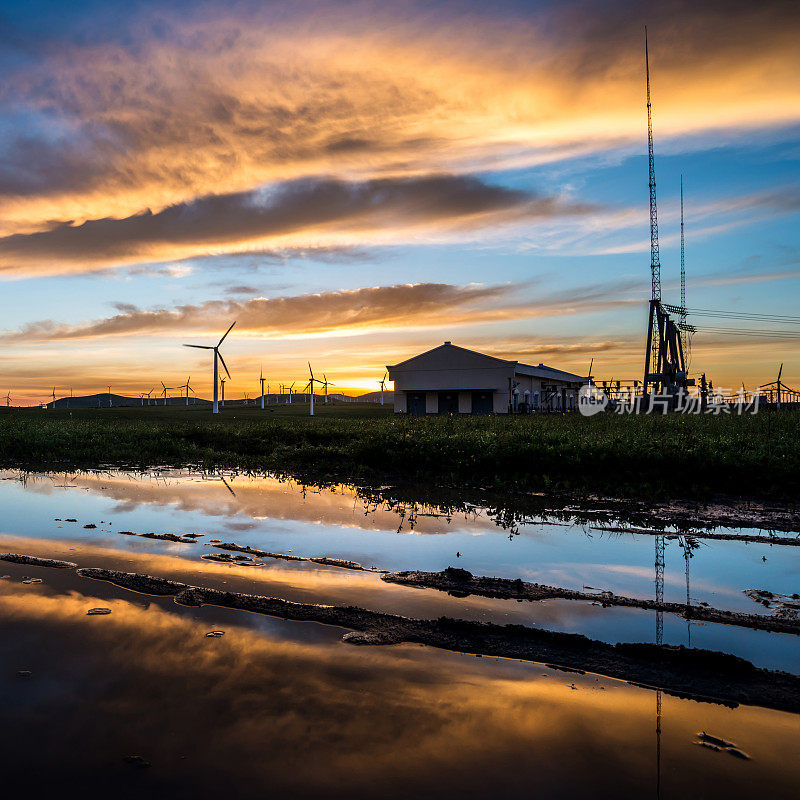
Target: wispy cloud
[[398, 307]]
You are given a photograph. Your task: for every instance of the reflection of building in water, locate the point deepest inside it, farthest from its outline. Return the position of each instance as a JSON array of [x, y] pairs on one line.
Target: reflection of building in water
[[454, 380]]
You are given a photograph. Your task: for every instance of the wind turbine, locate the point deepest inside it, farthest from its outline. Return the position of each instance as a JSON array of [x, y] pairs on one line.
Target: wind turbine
[[147, 394], [54, 398], [261, 380], [164, 391], [310, 386], [589, 378], [382, 382], [222, 386], [778, 384], [326, 383], [217, 356], [290, 391], [8, 399], [188, 388]]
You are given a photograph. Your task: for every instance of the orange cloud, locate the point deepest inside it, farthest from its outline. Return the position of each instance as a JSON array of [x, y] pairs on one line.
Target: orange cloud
[[221, 104]]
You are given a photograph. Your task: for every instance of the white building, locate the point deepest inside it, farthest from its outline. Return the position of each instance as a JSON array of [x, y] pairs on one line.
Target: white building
[[454, 380]]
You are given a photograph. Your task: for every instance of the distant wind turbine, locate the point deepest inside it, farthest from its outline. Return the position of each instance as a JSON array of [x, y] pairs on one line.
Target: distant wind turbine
[[188, 388], [325, 384], [164, 390], [109, 396], [310, 386], [54, 398], [8, 399], [217, 357], [382, 382], [290, 391], [778, 384]]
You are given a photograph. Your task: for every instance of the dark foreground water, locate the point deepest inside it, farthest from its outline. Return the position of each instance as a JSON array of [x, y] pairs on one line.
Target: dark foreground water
[[140, 702]]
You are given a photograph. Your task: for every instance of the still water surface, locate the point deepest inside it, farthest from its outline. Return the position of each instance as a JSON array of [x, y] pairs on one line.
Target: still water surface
[[288, 708]]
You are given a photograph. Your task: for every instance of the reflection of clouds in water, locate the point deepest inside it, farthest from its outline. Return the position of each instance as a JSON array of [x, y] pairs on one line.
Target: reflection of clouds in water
[[300, 582], [262, 711], [259, 498]]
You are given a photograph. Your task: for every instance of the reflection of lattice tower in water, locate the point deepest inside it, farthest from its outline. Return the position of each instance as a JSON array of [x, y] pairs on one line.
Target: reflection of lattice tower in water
[[659, 581], [655, 258]]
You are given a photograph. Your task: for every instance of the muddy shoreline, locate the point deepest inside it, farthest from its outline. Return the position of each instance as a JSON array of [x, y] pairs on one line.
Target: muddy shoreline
[[700, 674], [460, 583]]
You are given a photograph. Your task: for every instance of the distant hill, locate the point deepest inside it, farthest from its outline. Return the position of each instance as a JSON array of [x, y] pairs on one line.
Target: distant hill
[[101, 400], [118, 401], [375, 397]]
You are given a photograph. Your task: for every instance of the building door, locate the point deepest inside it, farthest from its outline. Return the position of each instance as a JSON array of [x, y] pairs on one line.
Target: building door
[[448, 402], [482, 403], [415, 403]]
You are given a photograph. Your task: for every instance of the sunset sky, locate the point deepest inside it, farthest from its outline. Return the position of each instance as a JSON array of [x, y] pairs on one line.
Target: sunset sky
[[356, 182]]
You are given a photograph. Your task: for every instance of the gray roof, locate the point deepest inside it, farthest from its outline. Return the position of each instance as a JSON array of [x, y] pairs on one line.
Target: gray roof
[[541, 371]]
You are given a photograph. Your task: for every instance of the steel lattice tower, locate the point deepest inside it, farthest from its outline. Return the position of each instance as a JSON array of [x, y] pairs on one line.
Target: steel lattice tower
[[655, 256], [655, 297], [684, 331]]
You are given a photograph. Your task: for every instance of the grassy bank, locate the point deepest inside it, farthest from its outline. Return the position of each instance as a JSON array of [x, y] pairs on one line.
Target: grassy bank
[[753, 456]]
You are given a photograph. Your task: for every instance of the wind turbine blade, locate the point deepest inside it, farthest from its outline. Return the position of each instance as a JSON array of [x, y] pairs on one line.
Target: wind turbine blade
[[199, 346], [226, 333], [219, 356], [779, 372]]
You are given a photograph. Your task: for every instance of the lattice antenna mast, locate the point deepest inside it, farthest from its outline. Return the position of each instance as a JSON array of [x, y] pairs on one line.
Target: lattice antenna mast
[[683, 264], [655, 258], [684, 330], [655, 338]]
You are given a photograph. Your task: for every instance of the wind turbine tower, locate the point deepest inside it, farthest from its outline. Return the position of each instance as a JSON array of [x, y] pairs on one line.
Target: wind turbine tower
[[261, 380], [217, 358], [310, 386]]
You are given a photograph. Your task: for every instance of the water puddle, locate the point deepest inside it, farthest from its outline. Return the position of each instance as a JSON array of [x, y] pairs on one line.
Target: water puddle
[[277, 693]]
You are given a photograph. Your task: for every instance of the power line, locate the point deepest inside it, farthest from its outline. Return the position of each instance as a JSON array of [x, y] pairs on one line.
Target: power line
[[745, 315], [784, 334]]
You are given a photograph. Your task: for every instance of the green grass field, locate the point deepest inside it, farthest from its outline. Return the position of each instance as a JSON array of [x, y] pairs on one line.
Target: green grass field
[[678, 455]]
